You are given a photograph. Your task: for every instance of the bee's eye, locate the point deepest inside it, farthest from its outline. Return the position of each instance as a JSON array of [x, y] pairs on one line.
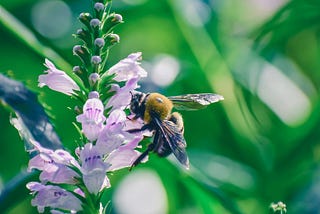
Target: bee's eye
[[134, 106]]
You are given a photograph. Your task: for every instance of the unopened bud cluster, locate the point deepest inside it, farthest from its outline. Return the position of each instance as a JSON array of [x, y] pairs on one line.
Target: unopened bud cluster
[[97, 37], [278, 208]]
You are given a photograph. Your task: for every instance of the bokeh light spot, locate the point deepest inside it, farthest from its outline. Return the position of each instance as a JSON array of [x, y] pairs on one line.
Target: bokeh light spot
[[283, 96], [52, 19], [141, 192], [196, 12], [164, 70]]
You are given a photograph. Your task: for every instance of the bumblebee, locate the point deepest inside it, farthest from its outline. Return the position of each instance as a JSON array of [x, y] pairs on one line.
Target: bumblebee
[[156, 111]]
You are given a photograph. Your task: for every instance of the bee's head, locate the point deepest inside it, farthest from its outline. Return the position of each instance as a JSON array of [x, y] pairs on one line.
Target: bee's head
[[137, 104]]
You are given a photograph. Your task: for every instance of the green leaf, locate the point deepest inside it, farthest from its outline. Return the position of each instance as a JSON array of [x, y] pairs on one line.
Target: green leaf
[[295, 16], [27, 108], [19, 30], [15, 190], [198, 185]]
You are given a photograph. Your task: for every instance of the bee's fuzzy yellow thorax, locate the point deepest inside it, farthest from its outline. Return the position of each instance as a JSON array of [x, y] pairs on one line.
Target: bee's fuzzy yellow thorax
[[159, 104]]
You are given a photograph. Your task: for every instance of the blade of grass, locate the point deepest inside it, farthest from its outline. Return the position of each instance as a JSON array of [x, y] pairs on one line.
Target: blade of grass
[[293, 17]]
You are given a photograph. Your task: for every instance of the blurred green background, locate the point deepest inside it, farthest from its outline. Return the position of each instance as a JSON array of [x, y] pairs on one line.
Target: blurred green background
[[260, 145]]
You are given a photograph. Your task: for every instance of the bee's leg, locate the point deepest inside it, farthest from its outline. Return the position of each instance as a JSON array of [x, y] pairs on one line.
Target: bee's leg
[[134, 118], [142, 156], [144, 127]]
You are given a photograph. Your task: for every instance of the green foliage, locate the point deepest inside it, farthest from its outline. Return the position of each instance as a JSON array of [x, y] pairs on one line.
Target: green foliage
[[260, 145]]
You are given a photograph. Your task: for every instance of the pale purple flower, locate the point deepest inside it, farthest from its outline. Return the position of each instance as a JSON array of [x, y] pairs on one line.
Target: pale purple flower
[[122, 98], [113, 135], [92, 118], [128, 68], [114, 147], [115, 117], [125, 155], [95, 163], [51, 171], [118, 145], [56, 166], [93, 168], [57, 80], [53, 197]]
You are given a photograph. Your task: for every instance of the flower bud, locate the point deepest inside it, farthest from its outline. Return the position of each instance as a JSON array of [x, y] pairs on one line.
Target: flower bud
[[94, 23], [99, 7], [84, 35], [85, 18], [94, 78], [79, 50], [81, 72], [111, 21], [81, 33], [77, 110], [278, 208], [99, 42], [93, 94], [76, 69], [95, 60], [112, 39], [82, 53], [117, 18]]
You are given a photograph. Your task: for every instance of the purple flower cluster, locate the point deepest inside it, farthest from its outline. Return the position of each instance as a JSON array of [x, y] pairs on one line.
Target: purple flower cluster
[[107, 146]]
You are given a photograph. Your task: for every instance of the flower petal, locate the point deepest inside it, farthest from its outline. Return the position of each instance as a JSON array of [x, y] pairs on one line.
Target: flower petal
[[122, 98], [55, 165], [128, 68], [113, 135], [92, 118], [116, 116], [111, 138], [122, 158], [93, 168], [95, 181], [57, 80], [53, 197]]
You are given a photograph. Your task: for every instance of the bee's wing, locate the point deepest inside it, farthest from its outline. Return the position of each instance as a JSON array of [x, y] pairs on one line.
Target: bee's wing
[[171, 135], [194, 101]]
